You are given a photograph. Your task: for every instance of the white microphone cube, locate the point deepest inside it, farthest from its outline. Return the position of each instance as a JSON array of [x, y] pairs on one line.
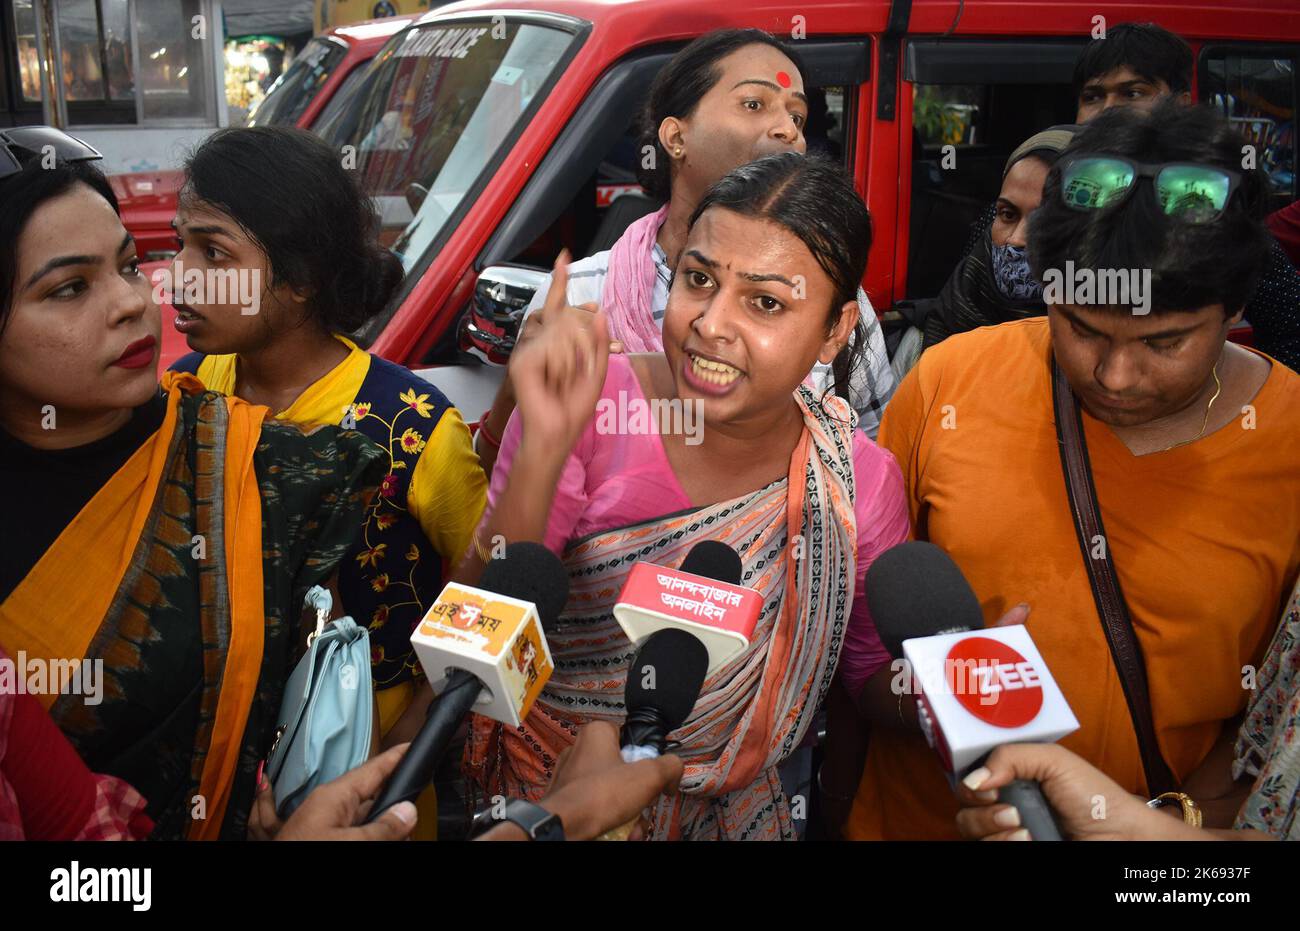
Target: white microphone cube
[[496, 638], [979, 689]]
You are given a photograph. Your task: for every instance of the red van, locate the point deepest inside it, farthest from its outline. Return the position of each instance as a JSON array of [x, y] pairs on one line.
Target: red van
[[327, 70], [494, 135]]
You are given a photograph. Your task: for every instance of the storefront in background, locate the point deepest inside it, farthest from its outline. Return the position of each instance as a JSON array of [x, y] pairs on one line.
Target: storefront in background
[[141, 80], [331, 13]]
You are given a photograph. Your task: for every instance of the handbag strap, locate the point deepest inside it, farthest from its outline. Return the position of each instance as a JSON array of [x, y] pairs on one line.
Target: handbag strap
[[1106, 592]]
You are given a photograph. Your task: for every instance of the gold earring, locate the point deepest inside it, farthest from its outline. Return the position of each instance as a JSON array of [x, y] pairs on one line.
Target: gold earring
[[678, 152]]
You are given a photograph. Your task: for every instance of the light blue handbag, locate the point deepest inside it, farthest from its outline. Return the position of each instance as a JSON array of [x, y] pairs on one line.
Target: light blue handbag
[[326, 715]]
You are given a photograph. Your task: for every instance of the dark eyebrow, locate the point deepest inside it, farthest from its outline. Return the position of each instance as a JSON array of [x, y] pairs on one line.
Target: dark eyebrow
[[770, 85], [205, 230], [63, 261], [1162, 334], [701, 258], [1068, 315], [1099, 84], [753, 276], [748, 276], [1169, 334]]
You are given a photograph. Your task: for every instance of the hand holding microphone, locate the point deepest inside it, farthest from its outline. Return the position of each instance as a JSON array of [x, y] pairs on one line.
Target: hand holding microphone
[[976, 689], [1088, 803], [594, 790]]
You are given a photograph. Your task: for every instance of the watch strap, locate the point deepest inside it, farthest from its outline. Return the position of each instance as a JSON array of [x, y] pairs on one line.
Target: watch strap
[[534, 820]]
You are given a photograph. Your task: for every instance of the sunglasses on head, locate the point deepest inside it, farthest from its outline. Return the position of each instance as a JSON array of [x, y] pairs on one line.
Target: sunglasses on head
[[1187, 191], [36, 139]]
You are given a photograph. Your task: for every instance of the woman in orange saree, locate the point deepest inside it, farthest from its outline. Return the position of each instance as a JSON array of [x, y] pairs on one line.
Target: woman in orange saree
[[167, 535]]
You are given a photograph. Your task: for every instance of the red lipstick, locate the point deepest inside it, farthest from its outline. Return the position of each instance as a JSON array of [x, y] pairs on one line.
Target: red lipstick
[[138, 354]]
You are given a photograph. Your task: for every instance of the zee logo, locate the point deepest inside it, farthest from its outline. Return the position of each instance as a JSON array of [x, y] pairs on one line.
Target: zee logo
[[994, 682]]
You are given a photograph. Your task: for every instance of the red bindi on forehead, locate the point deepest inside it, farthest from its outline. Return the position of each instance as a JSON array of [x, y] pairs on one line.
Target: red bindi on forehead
[[783, 79]]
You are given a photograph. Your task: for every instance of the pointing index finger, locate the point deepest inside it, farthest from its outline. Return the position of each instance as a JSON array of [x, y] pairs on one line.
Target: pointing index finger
[[558, 295]]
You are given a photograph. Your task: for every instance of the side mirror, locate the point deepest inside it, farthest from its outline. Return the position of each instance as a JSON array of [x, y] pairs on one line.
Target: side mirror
[[491, 324]]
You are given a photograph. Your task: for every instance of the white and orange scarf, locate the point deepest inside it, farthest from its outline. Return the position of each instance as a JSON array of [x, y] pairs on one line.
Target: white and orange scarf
[[796, 539]]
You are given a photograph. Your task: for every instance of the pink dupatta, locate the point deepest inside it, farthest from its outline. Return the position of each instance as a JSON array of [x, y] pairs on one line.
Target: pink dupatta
[[628, 296]]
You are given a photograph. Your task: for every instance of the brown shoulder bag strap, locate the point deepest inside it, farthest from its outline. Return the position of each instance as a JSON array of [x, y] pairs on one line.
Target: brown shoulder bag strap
[[1115, 620]]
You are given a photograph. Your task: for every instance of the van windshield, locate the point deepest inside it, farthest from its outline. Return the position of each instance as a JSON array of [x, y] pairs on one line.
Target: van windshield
[[294, 90], [437, 105]]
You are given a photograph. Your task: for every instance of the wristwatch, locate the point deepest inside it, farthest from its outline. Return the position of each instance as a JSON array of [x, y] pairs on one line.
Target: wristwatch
[[534, 820]]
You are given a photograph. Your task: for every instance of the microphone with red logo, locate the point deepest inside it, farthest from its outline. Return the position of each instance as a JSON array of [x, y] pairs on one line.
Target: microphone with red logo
[[687, 622], [703, 598], [976, 688]]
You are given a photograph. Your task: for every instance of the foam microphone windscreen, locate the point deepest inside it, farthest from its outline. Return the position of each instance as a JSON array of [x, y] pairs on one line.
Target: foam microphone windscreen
[[914, 589], [530, 572], [713, 560], [666, 674]]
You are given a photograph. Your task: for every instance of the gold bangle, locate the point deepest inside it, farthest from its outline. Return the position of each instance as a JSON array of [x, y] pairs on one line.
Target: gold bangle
[[1191, 811]]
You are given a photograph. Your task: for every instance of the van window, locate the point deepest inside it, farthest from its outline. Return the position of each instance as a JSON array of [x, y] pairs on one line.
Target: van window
[[962, 135], [435, 115], [1256, 91], [341, 99], [588, 224], [294, 90]]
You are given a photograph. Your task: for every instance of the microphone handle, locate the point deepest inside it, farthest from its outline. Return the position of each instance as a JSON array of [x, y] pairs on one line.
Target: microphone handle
[[1036, 815], [416, 770]]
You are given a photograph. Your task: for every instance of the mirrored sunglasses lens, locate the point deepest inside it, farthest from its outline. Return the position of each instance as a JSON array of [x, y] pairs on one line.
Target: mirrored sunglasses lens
[[1092, 183], [1194, 195]]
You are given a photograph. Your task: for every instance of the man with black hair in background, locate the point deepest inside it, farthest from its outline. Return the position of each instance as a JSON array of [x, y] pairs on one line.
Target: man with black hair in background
[[1134, 65], [1139, 65]]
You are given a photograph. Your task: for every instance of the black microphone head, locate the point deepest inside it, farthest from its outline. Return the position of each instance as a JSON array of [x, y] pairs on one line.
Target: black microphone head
[[666, 675], [713, 560], [530, 572], [914, 589]]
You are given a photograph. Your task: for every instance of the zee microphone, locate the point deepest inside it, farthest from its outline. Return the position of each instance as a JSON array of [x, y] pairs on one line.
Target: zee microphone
[[976, 688], [483, 649]]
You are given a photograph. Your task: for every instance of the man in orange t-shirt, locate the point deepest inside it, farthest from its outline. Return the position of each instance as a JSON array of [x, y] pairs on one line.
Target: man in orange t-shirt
[[1195, 451]]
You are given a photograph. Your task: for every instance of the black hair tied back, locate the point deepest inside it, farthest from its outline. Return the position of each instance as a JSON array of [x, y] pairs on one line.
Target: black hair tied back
[[678, 88], [814, 199]]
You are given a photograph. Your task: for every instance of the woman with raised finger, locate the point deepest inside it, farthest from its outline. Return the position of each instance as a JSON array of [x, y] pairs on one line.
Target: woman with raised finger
[[166, 536], [765, 287]]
